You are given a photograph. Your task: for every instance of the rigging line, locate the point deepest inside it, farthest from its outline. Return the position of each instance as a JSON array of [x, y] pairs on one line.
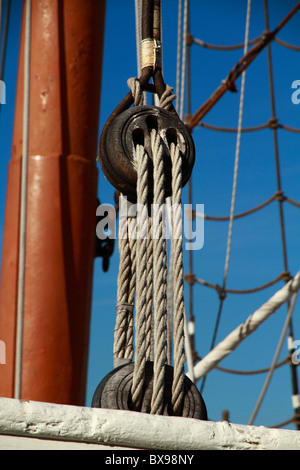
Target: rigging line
[[159, 277], [233, 129], [218, 47], [245, 329], [235, 176], [270, 124], [184, 53], [252, 372], [23, 207], [240, 215], [275, 138], [289, 128], [291, 201], [278, 176], [222, 291], [141, 159], [295, 419], [189, 339], [287, 45], [179, 43], [274, 361], [278, 195], [191, 336], [237, 154], [138, 33], [185, 69], [243, 63]]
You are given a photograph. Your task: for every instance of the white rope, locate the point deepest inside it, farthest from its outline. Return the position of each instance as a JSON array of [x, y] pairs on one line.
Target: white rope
[[138, 33], [23, 207], [183, 64], [141, 163], [149, 344], [178, 283], [152, 272], [136, 90], [232, 341], [179, 45], [125, 295], [170, 289], [275, 359], [159, 276], [237, 150], [131, 291], [180, 93]]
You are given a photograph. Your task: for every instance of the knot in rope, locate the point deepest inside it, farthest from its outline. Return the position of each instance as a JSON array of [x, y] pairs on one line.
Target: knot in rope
[[136, 90], [167, 98]]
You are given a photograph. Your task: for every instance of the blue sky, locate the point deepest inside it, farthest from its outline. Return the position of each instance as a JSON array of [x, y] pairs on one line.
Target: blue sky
[[256, 255]]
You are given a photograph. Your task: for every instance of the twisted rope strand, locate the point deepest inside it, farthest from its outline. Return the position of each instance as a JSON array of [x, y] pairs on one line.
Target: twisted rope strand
[[124, 276], [141, 159], [159, 277], [149, 297], [178, 283], [132, 285]]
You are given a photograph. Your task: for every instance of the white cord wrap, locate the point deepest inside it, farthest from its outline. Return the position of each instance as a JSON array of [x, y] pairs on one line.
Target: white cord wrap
[[151, 53]]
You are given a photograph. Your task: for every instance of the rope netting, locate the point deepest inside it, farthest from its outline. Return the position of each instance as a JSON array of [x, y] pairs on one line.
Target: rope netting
[[150, 274], [186, 40]]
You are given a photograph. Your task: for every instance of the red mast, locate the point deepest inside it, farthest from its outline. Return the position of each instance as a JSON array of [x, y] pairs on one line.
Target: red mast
[[66, 63]]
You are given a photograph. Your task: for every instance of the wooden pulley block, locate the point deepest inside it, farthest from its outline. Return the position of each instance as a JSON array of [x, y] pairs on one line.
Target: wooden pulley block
[[132, 127], [114, 392]]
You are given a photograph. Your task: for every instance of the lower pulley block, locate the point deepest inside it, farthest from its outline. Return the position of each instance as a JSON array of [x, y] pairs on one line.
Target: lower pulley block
[[114, 392]]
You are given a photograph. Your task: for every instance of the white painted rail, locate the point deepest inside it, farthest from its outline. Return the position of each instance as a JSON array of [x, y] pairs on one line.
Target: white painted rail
[[66, 425]]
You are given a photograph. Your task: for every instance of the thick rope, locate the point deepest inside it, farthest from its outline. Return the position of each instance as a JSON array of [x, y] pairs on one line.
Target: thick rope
[[149, 297], [178, 282], [159, 276], [141, 162], [144, 270], [131, 289], [125, 296], [123, 335]]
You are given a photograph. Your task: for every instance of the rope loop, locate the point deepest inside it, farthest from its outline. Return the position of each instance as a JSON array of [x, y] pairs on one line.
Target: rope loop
[[136, 90]]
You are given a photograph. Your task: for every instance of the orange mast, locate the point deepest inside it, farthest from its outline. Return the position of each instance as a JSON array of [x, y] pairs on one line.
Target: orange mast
[[65, 83]]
